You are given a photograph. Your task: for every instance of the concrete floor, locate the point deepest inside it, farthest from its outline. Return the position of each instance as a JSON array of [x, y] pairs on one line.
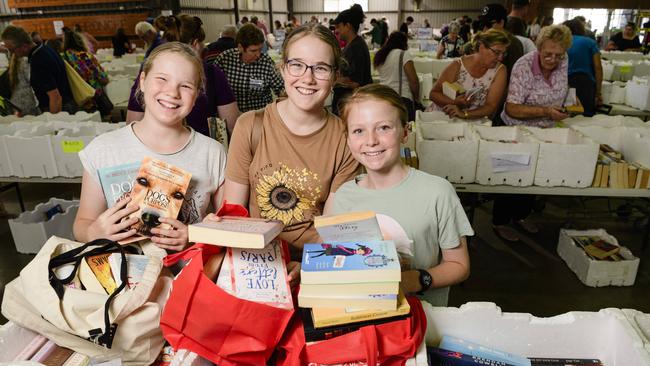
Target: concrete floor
[[519, 277]]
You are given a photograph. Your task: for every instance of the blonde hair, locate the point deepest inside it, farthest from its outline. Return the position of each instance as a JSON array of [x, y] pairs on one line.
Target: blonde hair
[[319, 32], [560, 34], [143, 27], [178, 48], [489, 38], [378, 92]]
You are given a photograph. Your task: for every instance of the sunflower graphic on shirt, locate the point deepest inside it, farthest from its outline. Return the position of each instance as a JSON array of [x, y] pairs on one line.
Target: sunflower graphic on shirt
[[287, 194]]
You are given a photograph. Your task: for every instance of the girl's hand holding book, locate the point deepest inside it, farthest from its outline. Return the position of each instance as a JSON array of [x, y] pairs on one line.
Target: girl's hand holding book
[[109, 224], [175, 239]]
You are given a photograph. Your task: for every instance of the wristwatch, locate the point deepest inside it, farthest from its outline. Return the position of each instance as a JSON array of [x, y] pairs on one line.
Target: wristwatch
[[425, 280]]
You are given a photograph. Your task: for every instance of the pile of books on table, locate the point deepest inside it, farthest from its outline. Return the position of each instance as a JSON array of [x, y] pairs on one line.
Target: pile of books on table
[[613, 171], [351, 279]]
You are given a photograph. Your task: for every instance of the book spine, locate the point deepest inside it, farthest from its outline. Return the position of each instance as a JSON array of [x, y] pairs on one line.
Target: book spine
[[31, 348], [564, 362], [351, 318], [58, 356], [77, 359], [43, 352]]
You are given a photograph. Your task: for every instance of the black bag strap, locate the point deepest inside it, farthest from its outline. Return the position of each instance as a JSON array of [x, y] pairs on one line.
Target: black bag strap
[[75, 256], [401, 69]]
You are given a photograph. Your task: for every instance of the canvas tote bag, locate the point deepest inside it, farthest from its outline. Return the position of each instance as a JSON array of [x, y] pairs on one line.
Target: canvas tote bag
[[126, 327], [82, 92]]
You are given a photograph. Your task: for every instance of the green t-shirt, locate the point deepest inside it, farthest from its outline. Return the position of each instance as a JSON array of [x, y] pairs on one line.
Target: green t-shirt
[[428, 209]]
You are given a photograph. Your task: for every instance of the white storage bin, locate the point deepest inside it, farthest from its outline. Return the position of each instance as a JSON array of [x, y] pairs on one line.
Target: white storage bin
[[605, 91], [30, 152], [67, 117], [617, 95], [606, 335], [66, 145], [642, 69], [439, 155], [441, 117], [566, 158], [119, 89], [596, 273], [604, 120], [423, 65], [621, 55], [426, 84], [502, 162], [637, 93], [31, 230], [635, 145], [641, 323]]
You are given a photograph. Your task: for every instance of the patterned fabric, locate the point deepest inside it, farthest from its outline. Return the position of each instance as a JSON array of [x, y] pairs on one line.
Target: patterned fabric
[[23, 96], [452, 49], [469, 82], [252, 83], [89, 68], [529, 87]]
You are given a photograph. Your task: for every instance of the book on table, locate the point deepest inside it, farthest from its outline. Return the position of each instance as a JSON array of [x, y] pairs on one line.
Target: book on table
[[236, 232], [353, 226], [327, 317], [351, 262], [258, 275], [159, 191]]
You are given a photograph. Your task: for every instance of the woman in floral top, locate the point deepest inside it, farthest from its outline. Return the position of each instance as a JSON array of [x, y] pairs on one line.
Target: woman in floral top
[[85, 64], [539, 81]]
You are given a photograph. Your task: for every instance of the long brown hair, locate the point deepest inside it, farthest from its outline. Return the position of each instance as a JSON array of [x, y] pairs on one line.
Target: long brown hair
[[319, 32]]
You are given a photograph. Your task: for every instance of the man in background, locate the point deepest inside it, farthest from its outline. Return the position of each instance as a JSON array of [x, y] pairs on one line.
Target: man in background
[[225, 42], [404, 28]]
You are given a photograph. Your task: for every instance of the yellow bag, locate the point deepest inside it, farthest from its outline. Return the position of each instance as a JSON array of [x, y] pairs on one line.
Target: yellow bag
[[81, 90]]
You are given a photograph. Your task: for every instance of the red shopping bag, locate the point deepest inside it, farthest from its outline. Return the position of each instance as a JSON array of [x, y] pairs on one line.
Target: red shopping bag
[[201, 317], [388, 344]]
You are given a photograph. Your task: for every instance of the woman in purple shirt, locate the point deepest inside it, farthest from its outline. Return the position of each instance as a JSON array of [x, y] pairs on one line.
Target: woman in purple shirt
[[218, 99], [539, 81], [538, 86]]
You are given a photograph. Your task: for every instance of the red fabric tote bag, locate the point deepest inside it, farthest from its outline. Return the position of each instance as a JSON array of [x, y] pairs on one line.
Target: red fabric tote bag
[[201, 317], [389, 344]]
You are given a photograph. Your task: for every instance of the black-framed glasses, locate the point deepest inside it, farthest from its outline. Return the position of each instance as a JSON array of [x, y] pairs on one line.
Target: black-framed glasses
[[298, 68], [497, 53]]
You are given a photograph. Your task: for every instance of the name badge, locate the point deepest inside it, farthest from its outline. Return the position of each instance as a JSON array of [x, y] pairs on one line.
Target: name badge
[[256, 83]]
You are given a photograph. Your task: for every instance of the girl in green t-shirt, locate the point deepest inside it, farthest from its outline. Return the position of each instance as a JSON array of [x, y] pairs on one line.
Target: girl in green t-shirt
[[426, 206]]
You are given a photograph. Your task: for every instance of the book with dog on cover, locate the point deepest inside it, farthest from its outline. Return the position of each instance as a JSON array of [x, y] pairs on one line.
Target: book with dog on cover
[[117, 181], [159, 190]]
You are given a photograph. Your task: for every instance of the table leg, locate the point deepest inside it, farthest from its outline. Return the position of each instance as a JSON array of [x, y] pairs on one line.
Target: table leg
[[15, 186]]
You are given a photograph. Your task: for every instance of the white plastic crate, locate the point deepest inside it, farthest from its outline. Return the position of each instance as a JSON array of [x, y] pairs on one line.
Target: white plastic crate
[[606, 335], [617, 94], [67, 117], [503, 162], [31, 229], [439, 155], [637, 93], [596, 273], [66, 145], [30, 152], [605, 121], [635, 145], [621, 55], [553, 166], [426, 84]]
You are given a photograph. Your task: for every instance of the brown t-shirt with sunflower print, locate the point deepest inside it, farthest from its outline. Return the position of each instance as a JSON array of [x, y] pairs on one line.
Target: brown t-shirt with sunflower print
[[290, 176]]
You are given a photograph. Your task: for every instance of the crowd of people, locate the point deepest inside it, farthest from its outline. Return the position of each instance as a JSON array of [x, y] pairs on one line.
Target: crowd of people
[[290, 157]]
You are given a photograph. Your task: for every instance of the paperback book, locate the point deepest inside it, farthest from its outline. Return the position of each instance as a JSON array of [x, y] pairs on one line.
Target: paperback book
[[443, 357], [361, 288], [117, 181], [378, 301], [236, 232], [349, 227], [454, 344], [351, 262], [159, 191], [135, 267], [102, 270], [565, 362], [258, 275], [327, 317]]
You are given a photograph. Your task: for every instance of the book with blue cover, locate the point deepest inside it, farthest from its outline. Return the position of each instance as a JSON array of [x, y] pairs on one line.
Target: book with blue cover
[[451, 343], [117, 181], [351, 262], [442, 357]]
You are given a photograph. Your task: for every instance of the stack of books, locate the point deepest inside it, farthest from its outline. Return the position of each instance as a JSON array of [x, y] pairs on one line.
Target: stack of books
[[597, 248], [351, 279], [37, 348], [454, 351], [614, 172], [253, 267]]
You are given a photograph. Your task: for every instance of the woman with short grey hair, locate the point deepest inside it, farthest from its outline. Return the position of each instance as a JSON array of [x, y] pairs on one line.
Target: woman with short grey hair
[[451, 45]]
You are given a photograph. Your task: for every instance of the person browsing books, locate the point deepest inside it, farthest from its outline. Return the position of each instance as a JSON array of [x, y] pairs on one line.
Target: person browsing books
[[426, 206], [301, 157], [171, 80], [481, 75]]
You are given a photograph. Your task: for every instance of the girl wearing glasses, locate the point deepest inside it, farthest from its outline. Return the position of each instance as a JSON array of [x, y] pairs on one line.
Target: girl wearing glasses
[[481, 74], [288, 158]]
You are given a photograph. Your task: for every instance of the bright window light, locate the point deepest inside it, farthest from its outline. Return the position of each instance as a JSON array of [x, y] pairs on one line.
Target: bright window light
[[336, 6], [596, 17]]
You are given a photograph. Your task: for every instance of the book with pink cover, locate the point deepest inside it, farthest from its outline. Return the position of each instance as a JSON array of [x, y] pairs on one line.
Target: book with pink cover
[[159, 190], [258, 275]]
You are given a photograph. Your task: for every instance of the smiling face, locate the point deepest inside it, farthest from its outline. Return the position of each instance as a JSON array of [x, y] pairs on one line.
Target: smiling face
[[307, 92], [374, 135], [170, 88]]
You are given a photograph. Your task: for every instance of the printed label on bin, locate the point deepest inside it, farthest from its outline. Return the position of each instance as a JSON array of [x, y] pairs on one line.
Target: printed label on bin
[[72, 146]]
